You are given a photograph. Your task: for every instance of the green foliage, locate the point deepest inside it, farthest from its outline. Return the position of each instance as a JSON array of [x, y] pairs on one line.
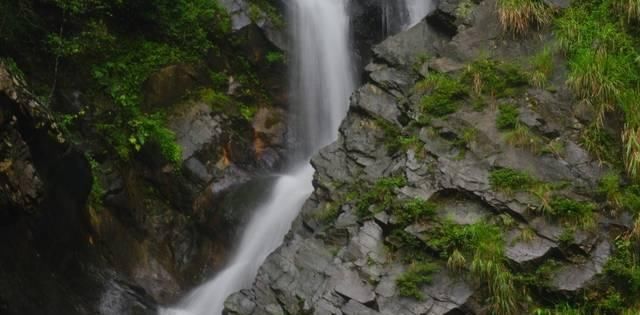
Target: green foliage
[[120, 43], [522, 136], [128, 128], [418, 275], [623, 269], [494, 78], [259, 9], [603, 70], [464, 9], [541, 68], [395, 139], [509, 180], [328, 214], [563, 309], [484, 245], [508, 117], [190, 23], [408, 246], [275, 57], [573, 211], [631, 8], [518, 16], [379, 197], [414, 210], [602, 144], [13, 68], [97, 190], [444, 94], [610, 187]]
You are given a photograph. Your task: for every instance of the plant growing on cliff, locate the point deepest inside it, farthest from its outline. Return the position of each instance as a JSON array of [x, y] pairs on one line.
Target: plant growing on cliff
[[631, 8], [444, 94], [519, 16], [414, 210], [482, 245], [411, 281], [522, 136], [572, 211], [509, 180], [603, 69], [494, 78], [508, 117], [378, 197], [541, 68]]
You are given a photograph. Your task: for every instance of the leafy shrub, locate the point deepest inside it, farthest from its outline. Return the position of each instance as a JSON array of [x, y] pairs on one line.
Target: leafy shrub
[[506, 179], [418, 275], [508, 117], [445, 93]]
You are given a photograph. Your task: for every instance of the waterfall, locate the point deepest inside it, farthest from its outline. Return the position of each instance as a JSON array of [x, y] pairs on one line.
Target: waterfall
[[321, 82], [417, 10], [322, 76]]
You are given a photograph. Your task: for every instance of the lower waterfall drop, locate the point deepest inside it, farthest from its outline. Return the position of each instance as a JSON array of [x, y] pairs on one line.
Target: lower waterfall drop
[[321, 81]]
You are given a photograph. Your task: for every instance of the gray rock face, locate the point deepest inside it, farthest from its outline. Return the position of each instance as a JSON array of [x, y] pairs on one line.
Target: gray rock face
[[239, 10], [346, 266], [577, 277]]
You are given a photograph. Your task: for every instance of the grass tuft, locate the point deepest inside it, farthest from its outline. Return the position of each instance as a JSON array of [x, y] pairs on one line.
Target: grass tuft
[[519, 16]]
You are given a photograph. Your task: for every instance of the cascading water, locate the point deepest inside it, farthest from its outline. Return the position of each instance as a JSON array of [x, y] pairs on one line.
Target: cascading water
[[321, 82], [417, 10]]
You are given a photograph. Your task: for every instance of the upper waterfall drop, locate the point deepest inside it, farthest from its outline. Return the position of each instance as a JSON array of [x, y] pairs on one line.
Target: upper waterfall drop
[[321, 81], [418, 10], [322, 76]]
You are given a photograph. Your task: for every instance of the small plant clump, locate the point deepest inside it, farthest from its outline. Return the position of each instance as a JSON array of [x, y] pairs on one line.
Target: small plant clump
[[419, 274], [445, 94], [574, 211], [508, 117], [522, 136], [510, 180], [541, 68], [327, 214], [378, 197], [494, 78], [518, 16], [479, 247], [394, 137], [414, 210]]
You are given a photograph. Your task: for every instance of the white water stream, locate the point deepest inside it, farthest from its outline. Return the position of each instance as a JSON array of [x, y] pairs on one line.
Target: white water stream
[[418, 10], [321, 82]]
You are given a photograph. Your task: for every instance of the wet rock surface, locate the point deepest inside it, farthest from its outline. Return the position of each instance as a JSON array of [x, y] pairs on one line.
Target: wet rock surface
[[347, 265]]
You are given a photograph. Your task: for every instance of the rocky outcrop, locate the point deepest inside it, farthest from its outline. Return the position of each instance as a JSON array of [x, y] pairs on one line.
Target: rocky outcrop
[[337, 262], [47, 261]]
